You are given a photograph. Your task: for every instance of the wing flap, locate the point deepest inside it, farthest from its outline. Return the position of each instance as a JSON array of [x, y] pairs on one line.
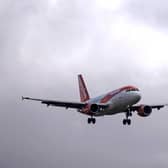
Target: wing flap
[[64, 104]]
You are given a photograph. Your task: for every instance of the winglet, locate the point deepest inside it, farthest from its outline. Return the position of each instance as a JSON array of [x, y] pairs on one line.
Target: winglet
[[23, 98]]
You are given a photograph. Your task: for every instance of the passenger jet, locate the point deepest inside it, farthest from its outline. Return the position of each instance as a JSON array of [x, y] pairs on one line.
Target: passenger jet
[[122, 100]]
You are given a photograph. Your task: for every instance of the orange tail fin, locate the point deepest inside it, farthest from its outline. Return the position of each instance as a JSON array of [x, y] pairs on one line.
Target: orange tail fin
[[84, 95]]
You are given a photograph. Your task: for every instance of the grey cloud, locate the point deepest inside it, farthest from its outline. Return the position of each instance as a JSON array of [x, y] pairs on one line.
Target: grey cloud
[[151, 12]]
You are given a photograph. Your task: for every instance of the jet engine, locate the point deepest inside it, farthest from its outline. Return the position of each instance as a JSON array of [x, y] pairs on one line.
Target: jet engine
[[144, 111], [94, 108]]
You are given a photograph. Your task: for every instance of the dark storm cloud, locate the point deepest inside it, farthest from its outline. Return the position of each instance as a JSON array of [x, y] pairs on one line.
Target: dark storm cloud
[[152, 12], [43, 47]]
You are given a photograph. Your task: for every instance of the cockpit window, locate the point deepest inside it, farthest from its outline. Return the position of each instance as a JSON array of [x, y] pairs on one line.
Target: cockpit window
[[132, 89]]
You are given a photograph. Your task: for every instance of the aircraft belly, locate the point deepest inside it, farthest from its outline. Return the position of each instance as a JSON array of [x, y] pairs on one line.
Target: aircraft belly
[[113, 109], [118, 105]]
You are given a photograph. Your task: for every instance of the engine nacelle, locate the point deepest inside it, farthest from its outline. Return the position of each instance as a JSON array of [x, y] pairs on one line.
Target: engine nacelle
[[144, 111], [94, 108]]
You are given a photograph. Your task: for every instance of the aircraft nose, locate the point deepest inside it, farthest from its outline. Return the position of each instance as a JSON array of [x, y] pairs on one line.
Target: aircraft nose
[[138, 96]]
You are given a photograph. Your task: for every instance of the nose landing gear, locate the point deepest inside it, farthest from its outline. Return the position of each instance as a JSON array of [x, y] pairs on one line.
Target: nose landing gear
[[127, 120]]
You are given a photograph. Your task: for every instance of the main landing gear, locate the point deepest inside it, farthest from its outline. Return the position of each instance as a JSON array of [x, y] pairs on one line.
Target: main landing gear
[[91, 120], [127, 120]]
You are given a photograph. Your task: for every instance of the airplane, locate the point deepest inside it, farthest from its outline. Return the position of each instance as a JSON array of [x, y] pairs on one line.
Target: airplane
[[122, 100]]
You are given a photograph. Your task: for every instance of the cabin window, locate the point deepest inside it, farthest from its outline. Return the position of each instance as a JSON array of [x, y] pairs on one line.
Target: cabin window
[[132, 89]]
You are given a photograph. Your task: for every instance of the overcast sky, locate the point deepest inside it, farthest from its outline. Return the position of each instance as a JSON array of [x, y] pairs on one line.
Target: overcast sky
[[44, 44]]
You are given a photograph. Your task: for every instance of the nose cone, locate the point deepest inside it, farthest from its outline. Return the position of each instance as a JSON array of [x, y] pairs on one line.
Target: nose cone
[[137, 97]]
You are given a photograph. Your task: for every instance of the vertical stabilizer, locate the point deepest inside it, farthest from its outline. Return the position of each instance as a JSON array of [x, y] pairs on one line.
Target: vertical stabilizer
[[84, 95]]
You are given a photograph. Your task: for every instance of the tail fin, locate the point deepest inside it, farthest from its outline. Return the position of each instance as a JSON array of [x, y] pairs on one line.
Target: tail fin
[[84, 95]]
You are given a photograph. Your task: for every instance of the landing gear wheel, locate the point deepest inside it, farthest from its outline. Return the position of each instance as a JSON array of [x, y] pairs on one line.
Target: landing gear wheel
[[93, 120], [124, 121], [89, 120], [129, 122]]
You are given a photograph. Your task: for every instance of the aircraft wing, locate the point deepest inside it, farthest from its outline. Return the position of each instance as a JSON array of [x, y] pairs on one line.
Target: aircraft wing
[[158, 107], [76, 105]]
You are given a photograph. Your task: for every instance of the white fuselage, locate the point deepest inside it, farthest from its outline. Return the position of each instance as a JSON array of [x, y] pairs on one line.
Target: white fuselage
[[118, 103]]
